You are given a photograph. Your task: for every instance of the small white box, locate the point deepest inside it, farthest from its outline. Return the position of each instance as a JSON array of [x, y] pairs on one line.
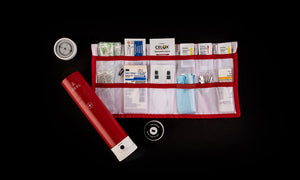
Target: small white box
[[165, 46], [135, 47], [135, 73], [162, 74]]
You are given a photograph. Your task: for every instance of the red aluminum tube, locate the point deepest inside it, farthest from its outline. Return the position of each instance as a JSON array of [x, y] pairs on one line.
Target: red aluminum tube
[[99, 116]]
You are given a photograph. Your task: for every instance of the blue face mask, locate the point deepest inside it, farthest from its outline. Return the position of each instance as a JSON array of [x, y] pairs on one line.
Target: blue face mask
[[186, 98]]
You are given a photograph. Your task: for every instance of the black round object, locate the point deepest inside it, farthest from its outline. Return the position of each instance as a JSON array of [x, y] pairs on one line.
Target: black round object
[[154, 130]]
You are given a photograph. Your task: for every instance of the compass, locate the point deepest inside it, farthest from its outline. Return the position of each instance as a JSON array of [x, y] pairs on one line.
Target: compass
[[65, 49]]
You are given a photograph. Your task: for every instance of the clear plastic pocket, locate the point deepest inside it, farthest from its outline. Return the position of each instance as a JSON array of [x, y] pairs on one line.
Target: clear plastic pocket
[[146, 62], [162, 101], [162, 93], [224, 70], [226, 100], [206, 68], [108, 71], [162, 72], [186, 101], [135, 100], [207, 101], [185, 66], [112, 99], [216, 100]]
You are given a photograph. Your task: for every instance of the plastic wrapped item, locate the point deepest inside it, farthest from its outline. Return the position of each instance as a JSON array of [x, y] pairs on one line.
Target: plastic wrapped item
[[205, 78], [162, 74], [105, 77], [135, 73], [162, 47], [105, 49], [225, 48], [109, 49], [117, 49], [205, 48], [135, 100], [187, 49], [226, 101], [135, 47], [186, 98], [225, 75]]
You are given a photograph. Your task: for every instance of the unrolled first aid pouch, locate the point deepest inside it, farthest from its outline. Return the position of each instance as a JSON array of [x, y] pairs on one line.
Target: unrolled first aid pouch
[[203, 85]]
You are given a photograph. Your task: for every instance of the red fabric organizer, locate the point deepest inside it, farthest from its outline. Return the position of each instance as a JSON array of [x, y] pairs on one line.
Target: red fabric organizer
[[164, 95]]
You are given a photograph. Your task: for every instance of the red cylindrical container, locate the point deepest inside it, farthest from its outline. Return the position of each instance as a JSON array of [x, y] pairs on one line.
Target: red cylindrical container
[[99, 116]]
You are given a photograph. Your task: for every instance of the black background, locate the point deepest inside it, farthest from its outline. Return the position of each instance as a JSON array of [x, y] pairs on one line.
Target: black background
[[250, 144]]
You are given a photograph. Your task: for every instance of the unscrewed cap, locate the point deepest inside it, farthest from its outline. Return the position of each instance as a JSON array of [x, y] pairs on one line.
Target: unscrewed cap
[[124, 148]]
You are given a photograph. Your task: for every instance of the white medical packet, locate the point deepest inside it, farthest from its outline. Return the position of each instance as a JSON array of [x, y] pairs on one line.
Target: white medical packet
[[225, 75], [223, 48], [187, 49], [162, 74], [105, 48], [226, 102], [135, 47], [135, 73], [135, 100], [165, 46], [205, 48]]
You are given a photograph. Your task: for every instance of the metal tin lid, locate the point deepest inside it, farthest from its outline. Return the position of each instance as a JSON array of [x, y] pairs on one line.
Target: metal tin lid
[[154, 130], [65, 49]]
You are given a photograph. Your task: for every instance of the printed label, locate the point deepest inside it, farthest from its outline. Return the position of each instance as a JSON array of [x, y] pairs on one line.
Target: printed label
[[226, 103], [138, 48], [135, 47], [205, 48], [135, 74], [187, 49], [135, 100], [225, 75], [224, 48], [162, 74], [162, 46]]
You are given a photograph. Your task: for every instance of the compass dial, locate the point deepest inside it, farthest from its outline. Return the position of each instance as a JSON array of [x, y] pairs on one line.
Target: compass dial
[[65, 49]]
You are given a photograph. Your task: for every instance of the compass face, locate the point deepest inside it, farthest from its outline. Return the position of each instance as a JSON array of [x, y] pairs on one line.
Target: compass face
[[65, 49]]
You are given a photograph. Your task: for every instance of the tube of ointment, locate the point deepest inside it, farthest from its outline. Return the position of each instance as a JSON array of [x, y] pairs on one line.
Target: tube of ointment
[[99, 116]]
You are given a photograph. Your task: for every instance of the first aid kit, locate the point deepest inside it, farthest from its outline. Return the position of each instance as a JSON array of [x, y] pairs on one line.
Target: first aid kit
[[167, 80]]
